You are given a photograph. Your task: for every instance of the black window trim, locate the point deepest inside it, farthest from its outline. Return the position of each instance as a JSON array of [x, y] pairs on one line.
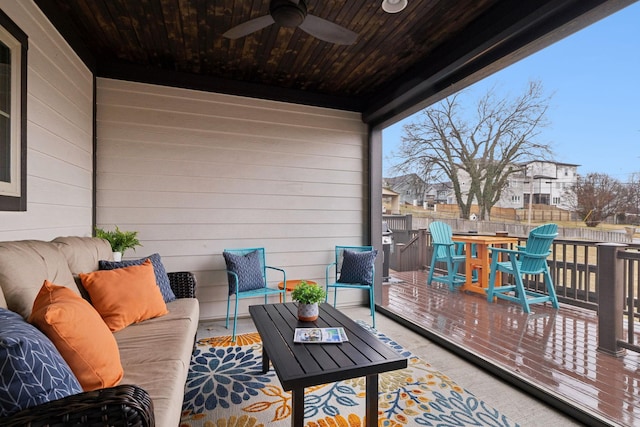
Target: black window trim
[[10, 203]]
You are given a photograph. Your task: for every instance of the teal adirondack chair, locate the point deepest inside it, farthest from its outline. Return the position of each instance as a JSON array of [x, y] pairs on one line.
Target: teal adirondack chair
[[247, 276], [447, 251], [527, 260]]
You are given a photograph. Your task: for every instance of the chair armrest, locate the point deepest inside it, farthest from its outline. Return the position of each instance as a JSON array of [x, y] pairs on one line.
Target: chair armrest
[[183, 284], [284, 275], [328, 270], [504, 250], [122, 405]]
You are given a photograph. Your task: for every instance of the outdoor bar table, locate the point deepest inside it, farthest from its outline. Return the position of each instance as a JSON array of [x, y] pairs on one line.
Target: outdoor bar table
[[482, 261]]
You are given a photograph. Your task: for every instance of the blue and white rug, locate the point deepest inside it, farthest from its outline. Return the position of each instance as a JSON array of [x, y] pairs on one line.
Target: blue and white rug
[[225, 388]]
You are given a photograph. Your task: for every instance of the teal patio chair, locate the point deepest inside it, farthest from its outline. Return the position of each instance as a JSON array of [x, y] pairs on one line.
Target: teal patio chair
[[353, 268], [526, 260], [447, 251], [247, 277]]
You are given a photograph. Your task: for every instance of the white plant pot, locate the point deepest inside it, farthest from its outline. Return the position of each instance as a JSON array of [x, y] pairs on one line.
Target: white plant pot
[[117, 256], [307, 312]]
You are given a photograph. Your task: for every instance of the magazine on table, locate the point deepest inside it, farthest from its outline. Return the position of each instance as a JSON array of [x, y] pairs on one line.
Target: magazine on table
[[320, 335]]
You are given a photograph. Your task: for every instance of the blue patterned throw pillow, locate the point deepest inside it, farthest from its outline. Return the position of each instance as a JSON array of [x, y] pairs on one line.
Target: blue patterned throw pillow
[[249, 271], [162, 279], [32, 371], [357, 267]]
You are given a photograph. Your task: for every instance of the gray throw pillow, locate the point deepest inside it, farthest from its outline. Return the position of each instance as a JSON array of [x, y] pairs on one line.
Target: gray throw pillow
[[357, 267], [249, 271], [32, 371]]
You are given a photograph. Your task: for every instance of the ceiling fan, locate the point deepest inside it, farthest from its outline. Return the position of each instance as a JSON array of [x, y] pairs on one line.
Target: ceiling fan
[[293, 14]]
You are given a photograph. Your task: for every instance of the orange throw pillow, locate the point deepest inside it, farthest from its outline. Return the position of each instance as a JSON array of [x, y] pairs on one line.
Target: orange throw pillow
[[79, 334], [125, 295]]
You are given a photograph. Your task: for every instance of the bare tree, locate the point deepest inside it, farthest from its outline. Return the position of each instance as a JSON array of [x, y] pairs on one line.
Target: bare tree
[[597, 196], [631, 203], [483, 148]]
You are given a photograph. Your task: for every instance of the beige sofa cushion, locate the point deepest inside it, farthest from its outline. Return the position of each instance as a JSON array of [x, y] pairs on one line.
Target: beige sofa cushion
[[24, 266], [83, 253], [155, 355]]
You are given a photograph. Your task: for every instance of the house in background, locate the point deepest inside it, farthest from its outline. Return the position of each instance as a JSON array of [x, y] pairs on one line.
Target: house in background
[[411, 189], [390, 202], [544, 182]]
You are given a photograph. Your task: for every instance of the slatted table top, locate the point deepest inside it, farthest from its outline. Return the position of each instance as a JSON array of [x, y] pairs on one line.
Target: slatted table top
[[303, 365]]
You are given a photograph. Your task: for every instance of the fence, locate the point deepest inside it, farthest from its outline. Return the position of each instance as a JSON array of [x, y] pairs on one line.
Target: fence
[[402, 224]]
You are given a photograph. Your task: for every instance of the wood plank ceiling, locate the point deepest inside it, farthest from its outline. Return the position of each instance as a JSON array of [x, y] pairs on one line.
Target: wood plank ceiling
[[398, 59]]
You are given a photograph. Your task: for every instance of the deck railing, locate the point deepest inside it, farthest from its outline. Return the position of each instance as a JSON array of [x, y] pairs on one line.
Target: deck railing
[[580, 277]]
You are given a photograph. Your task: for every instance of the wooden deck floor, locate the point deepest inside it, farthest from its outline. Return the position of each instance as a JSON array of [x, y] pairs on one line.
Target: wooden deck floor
[[549, 353]]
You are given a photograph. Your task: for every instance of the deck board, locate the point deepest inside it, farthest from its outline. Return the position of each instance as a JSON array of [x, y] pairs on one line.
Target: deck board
[[551, 351]]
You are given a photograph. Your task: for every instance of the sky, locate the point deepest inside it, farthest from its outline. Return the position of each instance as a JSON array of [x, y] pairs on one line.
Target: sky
[[594, 113]]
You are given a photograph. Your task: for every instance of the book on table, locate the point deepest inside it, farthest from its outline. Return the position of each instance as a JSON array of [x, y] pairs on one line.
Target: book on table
[[320, 335]]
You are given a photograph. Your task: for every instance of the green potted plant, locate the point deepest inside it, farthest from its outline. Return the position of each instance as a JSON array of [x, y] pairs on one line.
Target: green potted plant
[[308, 297], [119, 240]]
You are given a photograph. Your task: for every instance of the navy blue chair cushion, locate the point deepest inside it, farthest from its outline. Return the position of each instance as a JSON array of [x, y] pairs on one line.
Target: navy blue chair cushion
[[248, 269], [162, 279], [32, 371], [357, 267]]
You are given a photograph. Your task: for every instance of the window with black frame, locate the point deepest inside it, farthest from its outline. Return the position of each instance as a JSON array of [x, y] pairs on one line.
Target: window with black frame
[[13, 73]]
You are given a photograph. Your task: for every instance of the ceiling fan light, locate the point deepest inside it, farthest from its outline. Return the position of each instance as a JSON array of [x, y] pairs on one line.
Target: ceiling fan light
[[288, 14], [393, 6]]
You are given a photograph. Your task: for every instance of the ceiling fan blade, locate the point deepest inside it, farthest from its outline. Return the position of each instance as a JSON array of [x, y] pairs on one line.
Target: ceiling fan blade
[[249, 27], [328, 31]]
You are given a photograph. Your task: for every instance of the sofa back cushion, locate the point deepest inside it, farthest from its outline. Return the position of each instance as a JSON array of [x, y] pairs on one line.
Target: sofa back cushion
[[24, 266], [83, 253]]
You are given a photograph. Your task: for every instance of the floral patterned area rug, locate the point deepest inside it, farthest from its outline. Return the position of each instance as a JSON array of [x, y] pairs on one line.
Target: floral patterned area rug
[[225, 388]]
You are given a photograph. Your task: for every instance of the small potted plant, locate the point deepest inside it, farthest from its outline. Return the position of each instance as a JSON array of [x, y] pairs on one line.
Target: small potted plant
[[119, 240], [308, 297]]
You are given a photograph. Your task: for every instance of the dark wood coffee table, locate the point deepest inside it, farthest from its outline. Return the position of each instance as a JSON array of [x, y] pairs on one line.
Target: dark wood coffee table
[[304, 365]]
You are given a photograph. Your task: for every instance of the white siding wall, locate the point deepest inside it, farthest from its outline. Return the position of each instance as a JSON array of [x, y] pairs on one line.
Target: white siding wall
[[59, 134], [197, 172]]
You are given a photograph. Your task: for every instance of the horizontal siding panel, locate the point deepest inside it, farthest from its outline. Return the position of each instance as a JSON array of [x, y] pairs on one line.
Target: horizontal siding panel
[[222, 108], [44, 216], [60, 150], [57, 123], [308, 171], [142, 134], [205, 123], [187, 231], [161, 199], [284, 215], [341, 158], [59, 194], [233, 186], [119, 93], [45, 167]]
